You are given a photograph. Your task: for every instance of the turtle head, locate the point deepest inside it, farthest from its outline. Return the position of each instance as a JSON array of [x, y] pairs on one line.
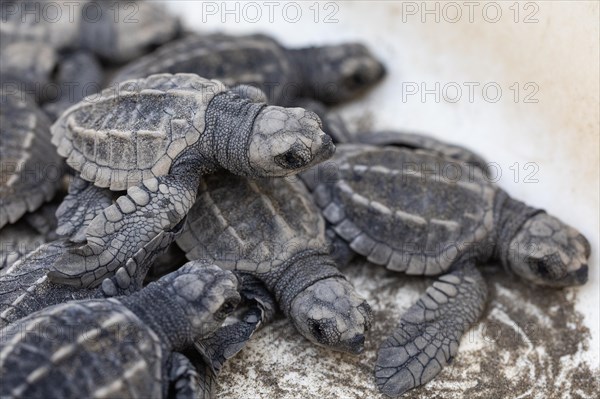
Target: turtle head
[[548, 252], [206, 293], [331, 314], [339, 73], [285, 141]]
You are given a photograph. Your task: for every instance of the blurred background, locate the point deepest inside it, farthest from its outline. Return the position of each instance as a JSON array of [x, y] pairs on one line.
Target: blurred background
[[516, 81]]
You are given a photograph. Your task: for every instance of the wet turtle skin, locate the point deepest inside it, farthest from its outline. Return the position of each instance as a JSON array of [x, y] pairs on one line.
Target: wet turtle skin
[[330, 74], [271, 229], [120, 346], [416, 211], [155, 137]]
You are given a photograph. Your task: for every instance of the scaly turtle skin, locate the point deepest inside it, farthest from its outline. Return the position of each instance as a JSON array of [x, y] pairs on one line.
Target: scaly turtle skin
[[26, 235], [155, 137], [117, 347], [331, 74], [210, 354], [31, 170], [117, 30], [417, 212], [25, 287], [271, 229]]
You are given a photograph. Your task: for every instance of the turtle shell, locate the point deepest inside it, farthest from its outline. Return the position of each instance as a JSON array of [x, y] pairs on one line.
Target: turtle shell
[[135, 130], [410, 210], [31, 170], [92, 348], [251, 225], [255, 60]]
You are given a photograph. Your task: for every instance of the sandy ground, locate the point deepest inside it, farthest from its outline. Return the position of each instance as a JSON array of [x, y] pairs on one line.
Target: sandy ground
[[534, 111]]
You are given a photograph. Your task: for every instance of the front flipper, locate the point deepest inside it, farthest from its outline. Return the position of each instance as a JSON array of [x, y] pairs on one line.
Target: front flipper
[[184, 380], [227, 341], [122, 229], [429, 332], [130, 278], [83, 202]]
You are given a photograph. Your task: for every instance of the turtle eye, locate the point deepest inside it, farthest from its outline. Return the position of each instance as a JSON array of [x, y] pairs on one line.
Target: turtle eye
[[296, 157], [226, 309], [356, 80]]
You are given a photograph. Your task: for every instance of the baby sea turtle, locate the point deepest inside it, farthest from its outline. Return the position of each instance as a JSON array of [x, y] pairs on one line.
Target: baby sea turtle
[[118, 347], [78, 74], [331, 74], [271, 229], [31, 171], [155, 137], [116, 30], [423, 214]]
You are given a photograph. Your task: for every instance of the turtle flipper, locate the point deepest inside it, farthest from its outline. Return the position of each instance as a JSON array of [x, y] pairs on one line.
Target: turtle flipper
[[122, 229], [83, 202], [227, 341], [184, 380], [429, 332], [130, 277], [420, 141]]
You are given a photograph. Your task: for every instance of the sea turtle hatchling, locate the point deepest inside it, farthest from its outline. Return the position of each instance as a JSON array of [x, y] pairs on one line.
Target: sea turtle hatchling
[[331, 74], [423, 214], [31, 171], [118, 347], [271, 229], [116, 30], [155, 137]]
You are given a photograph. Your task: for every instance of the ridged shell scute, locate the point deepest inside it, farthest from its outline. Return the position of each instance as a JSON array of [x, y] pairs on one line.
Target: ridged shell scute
[[135, 130], [256, 60], [30, 170], [410, 210], [93, 348], [251, 225]]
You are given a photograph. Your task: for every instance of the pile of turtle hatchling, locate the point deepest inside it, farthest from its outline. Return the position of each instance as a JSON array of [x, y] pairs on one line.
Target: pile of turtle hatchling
[[148, 231]]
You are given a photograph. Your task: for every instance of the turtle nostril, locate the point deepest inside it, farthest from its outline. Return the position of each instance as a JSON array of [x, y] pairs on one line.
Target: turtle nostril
[[582, 274], [357, 344]]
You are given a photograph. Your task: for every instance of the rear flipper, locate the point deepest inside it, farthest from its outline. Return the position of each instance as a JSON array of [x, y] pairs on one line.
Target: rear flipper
[[419, 141], [79, 207], [429, 332]]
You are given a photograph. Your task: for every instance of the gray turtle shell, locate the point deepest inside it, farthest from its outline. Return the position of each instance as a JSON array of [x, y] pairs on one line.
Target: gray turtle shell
[[66, 337], [152, 120], [255, 60], [31, 170], [251, 225], [407, 209], [118, 30]]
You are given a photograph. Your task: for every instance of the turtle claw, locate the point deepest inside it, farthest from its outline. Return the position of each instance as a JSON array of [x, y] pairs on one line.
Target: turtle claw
[[429, 332]]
